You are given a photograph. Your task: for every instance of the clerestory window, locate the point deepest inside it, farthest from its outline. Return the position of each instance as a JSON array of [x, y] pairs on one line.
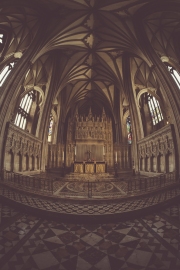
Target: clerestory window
[[1, 38], [175, 74], [23, 110], [2, 41], [5, 72], [155, 109], [50, 128]]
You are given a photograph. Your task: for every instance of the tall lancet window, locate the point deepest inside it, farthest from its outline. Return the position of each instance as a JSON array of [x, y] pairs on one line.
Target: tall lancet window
[[23, 110], [5, 72], [50, 128], [129, 129], [155, 109], [1, 38], [175, 74]]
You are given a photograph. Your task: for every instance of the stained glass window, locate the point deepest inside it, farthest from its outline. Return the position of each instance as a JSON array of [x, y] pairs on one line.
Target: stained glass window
[[155, 109], [5, 72], [23, 110], [175, 74], [50, 128], [129, 130]]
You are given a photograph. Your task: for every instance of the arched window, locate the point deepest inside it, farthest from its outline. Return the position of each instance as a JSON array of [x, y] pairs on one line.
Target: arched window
[[129, 130], [5, 72], [174, 73], [1, 38], [23, 110], [50, 128], [155, 109]]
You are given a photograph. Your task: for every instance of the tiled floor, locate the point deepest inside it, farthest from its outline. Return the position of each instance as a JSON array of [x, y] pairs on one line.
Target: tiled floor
[[149, 242], [88, 208], [83, 186]]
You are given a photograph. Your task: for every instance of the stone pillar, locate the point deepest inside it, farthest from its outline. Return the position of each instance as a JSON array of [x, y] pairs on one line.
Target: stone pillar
[[127, 158], [120, 157], [50, 159], [133, 109]]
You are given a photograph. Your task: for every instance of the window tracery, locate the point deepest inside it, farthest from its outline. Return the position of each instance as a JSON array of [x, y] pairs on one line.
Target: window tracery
[[174, 73], [1, 38], [23, 110], [50, 128], [5, 72], [155, 109]]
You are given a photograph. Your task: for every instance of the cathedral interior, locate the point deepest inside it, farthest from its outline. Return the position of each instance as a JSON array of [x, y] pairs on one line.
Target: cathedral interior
[[89, 134]]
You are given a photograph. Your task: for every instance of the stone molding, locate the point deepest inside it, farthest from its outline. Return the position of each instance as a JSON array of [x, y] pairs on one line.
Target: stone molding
[[158, 143], [21, 142]]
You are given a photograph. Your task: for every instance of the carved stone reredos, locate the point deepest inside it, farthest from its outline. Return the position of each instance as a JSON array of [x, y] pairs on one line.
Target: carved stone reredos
[[90, 127], [91, 117]]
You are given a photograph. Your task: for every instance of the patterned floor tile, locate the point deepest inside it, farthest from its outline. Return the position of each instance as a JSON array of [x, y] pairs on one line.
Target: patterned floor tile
[[148, 242]]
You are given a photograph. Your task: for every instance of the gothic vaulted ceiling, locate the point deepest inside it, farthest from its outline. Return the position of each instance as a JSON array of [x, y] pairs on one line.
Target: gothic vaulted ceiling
[[87, 40]]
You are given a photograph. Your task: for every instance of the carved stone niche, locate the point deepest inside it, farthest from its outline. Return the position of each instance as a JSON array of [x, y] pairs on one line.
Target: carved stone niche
[[20, 148], [159, 147]]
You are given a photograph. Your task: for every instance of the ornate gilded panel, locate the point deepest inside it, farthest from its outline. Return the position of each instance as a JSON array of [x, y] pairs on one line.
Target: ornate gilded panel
[[100, 168], [89, 168], [78, 168]]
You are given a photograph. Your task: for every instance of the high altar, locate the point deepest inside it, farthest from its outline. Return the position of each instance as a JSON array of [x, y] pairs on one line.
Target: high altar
[[90, 167], [89, 143]]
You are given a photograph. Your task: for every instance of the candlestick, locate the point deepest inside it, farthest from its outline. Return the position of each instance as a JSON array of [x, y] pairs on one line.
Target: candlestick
[[116, 156]]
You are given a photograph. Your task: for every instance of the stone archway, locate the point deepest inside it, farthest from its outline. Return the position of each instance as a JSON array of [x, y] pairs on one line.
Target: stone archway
[[9, 165]]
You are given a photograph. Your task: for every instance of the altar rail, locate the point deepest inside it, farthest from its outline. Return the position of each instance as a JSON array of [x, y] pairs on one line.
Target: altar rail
[[46, 186], [28, 182], [150, 183]]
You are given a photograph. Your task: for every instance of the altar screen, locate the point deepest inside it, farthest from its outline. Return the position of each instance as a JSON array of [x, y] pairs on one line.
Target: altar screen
[[86, 152]]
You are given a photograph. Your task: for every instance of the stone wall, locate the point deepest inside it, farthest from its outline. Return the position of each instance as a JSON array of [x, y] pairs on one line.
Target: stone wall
[[123, 157], [156, 152], [55, 156], [22, 150]]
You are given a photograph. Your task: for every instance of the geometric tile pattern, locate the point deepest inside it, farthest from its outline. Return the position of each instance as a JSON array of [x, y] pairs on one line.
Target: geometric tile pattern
[[146, 243], [74, 187], [88, 207]]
